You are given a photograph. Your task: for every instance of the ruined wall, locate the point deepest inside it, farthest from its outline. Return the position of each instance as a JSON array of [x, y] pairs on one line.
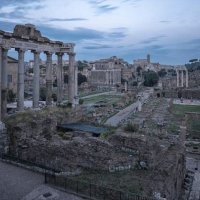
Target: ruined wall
[[185, 93], [165, 165], [38, 141], [193, 80]]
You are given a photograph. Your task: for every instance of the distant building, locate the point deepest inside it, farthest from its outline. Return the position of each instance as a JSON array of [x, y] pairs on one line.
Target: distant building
[[12, 69], [145, 64], [107, 71]]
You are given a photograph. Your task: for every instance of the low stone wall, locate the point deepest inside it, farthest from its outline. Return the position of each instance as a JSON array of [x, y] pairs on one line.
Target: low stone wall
[[185, 93]]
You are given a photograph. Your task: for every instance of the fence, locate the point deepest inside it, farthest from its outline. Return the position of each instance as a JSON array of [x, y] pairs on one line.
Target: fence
[[91, 190], [28, 163]]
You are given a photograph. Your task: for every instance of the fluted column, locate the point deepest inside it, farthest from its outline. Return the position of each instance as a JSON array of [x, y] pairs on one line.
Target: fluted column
[[71, 79], [20, 80], [181, 78], [4, 82], [177, 77], [36, 79], [186, 71], [59, 78], [49, 78]]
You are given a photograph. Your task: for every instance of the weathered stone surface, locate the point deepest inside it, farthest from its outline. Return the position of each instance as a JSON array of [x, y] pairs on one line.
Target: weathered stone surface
[[27, 31]]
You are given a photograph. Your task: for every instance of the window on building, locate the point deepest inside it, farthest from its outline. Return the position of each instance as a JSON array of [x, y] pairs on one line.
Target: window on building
[[9, 78]]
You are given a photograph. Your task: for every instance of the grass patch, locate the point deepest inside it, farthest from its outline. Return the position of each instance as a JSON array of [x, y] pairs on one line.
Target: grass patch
[[195, 125], [31, 115], [130, 127], [107, 99], [173, 128], [125, 180], [110, 131], [180, 110]]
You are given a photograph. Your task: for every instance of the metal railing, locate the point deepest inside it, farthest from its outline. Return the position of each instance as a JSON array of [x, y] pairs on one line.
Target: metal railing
[[46, 169], [90, 190]]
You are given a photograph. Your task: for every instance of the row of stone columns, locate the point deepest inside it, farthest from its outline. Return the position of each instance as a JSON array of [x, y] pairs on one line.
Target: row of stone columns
[[72, 83], [181, 84]]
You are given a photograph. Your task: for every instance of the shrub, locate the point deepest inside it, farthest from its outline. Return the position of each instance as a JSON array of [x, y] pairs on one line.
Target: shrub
[[131, 127], [81, 101]]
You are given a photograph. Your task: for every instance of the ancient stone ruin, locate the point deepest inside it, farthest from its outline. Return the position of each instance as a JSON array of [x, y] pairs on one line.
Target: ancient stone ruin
[[27, 37]]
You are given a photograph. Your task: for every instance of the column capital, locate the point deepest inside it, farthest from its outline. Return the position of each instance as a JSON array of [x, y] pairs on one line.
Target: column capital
[[59, 53], [48, 53], [35, 51], [20, 50], [71, 53], [5, 48]]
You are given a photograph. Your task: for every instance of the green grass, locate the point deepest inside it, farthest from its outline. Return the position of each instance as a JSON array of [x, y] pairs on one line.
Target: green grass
[[108, 99], [173, 128], [180, 110], [125, 180], [195, 125], [107, 133]]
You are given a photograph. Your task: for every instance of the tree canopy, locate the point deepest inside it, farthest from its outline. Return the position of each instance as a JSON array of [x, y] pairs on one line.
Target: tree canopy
[[150, 78], [162, 73]]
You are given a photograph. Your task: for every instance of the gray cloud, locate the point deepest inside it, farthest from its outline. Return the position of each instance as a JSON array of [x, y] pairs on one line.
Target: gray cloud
[[107, 8], [67, 19], [152, 39], [101, 7], [165, 21], [98, 46]]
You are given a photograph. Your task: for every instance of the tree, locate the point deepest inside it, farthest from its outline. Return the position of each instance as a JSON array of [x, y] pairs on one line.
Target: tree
[[150, 78], [81, 65], [81, 78], [139, 69], [43, 93], [162, 73], [11, 96], [193, 60]]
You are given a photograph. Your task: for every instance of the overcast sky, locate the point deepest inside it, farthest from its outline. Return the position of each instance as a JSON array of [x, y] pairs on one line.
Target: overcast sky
[[169, 30]]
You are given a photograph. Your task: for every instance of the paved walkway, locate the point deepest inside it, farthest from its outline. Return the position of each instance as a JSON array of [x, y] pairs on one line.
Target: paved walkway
[[20, 184], [125, 113], [16, 182]]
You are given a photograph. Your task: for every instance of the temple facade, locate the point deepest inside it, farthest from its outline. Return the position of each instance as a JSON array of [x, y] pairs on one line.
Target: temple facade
[[27, 37]]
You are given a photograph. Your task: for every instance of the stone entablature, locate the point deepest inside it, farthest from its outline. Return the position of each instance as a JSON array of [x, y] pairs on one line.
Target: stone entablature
[[26, 37]]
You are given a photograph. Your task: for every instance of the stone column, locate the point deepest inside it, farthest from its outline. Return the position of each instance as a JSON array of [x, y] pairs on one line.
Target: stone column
[[71, 78], [186, 71], [76, 83], [182, 78], [20, 80], [177, 76], [49, 78], [126, 86], [0, 79], [36, 79], [59, 78], [107, 79], [4, 82]]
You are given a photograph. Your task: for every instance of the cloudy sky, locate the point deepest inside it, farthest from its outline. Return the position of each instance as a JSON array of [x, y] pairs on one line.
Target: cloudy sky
[[169, 30]]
